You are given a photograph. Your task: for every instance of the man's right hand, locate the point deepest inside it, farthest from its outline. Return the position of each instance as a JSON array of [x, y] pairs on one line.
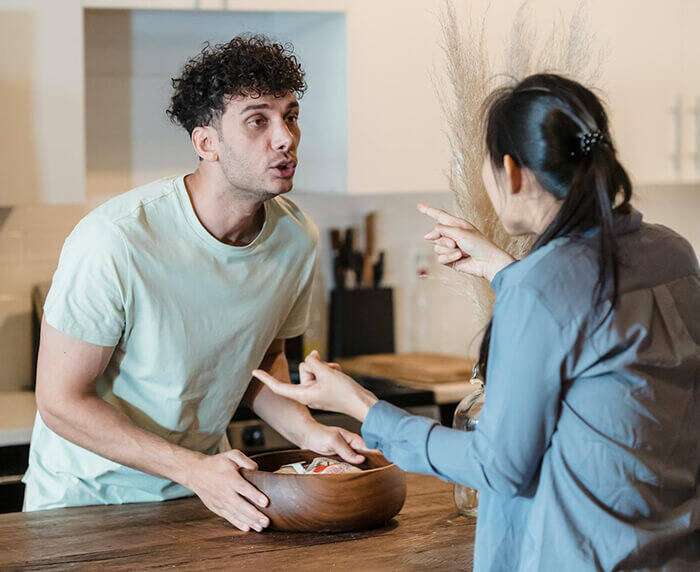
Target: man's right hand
[[216, 480]]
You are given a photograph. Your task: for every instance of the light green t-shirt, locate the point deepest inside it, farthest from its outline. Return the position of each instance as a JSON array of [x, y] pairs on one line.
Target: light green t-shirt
[[190, 317]]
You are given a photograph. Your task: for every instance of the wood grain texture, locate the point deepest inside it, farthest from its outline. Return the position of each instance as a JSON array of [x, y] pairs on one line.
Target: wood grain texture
[[427, 534], [417, 367], [328, 503]]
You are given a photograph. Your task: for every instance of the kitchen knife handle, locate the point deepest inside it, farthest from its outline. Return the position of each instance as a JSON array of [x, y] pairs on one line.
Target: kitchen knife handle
[[358, 267], [338, 272], [379, 271]]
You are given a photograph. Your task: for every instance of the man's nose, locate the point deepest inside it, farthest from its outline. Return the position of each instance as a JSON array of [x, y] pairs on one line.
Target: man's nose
[[282, 138]]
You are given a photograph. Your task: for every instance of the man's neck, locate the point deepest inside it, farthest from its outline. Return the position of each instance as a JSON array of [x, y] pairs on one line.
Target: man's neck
[[229, 218]]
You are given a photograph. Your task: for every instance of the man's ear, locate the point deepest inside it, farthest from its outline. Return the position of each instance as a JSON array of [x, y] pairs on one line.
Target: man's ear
[[514, 175], [205, 141]]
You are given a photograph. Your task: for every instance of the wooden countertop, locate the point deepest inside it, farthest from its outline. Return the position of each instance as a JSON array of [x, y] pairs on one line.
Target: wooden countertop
[[446, 376], [428, 534]]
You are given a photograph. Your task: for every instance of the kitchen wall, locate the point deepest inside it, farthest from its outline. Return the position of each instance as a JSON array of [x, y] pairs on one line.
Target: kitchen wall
[[30, 242], [31, 238], [400, 227]]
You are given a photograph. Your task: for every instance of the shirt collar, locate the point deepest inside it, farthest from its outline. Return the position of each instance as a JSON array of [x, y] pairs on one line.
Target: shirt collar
[[625, 223]]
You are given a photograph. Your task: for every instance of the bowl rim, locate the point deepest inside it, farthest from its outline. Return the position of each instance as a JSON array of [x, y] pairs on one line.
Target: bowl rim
[[342, 475]]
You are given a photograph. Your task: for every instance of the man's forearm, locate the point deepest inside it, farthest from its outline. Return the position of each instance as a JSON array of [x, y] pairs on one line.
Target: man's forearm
[[97, 426], [289, 418]]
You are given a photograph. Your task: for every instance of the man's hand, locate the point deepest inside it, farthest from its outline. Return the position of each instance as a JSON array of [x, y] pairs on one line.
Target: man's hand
[[216, 480], [335, 441]]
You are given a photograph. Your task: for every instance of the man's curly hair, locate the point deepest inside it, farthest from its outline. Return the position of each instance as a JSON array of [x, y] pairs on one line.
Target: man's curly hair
[[247, 65]]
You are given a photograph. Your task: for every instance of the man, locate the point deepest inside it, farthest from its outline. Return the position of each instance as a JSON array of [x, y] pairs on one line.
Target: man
[[168, 296]]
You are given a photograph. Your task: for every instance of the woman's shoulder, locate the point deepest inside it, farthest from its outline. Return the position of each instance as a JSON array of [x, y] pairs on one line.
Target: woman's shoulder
[[563, 260], [562, 274], [667, 253]]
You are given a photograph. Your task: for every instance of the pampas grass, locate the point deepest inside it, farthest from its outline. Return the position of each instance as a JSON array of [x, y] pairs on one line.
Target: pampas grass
[[467, 81]]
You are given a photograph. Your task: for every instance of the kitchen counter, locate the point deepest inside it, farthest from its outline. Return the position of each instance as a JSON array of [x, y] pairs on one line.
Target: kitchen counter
[[446, 377], [17, 412], [428, 534]]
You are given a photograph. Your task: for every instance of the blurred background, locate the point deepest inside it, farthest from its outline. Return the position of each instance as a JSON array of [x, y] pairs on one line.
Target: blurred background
[[85, 85]]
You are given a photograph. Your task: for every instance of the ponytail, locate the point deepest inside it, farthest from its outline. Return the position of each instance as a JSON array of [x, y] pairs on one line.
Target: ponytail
[[558, 129]]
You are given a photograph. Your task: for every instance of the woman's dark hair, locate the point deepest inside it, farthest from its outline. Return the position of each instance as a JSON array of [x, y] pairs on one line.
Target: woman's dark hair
[[543, 123], [247, 65]]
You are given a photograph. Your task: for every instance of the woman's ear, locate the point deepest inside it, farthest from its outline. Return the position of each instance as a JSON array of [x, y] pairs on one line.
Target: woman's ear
[[513, 175]]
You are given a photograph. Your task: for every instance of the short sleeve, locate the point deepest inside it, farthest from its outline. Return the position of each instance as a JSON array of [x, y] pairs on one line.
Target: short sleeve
[[87, 297], [298, 319]]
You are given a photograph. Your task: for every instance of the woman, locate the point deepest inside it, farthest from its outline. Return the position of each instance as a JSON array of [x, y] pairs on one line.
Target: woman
[[587, 451]]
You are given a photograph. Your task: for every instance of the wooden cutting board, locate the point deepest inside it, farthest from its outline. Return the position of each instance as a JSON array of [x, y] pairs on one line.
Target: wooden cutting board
[[411, 367]]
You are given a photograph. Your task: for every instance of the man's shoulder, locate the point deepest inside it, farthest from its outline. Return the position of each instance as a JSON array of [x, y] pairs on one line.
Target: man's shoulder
[[107, 226], [131, 202], [297, 220]]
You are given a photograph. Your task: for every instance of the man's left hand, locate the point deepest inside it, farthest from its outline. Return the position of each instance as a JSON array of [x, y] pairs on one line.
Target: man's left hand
[[335, 441]]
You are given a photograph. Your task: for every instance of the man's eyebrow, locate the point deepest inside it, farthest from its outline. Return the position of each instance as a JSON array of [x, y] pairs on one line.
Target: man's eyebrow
[[255, 106], [292, 105]]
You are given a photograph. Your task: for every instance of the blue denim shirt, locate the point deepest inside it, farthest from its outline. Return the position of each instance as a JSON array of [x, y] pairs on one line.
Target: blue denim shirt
[[587, 451]]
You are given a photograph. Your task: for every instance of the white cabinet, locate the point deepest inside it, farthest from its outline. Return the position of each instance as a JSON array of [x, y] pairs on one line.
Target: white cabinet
[[42, 150], [649, 74], [243, 5], [131, 56], [650, 52], [388, 114], [649, 83], [643, 83], [370, 123], [396, 141], [690, 118]]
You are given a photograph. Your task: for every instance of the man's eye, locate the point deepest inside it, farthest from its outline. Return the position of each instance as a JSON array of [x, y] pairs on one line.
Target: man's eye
[[257, 122], [292, 118]]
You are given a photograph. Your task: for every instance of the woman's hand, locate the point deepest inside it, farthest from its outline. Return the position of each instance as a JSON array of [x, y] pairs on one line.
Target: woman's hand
[[462, 247], [323, 386]]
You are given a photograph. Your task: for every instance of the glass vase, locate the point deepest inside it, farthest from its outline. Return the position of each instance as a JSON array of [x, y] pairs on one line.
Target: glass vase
[[466, 418]]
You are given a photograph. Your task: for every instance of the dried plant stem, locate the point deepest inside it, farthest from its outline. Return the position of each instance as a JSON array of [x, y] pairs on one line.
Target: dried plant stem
[[469, 79]]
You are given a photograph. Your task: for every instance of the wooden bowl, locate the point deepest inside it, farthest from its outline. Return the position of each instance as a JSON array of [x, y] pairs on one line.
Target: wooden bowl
[[328, 503]]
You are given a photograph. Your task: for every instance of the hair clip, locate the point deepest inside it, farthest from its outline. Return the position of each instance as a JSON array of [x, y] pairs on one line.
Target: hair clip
[[589, 139]]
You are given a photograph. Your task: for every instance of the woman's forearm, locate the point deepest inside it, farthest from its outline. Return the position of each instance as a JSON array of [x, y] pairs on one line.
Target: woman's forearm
[[420, 445], [519, 417]]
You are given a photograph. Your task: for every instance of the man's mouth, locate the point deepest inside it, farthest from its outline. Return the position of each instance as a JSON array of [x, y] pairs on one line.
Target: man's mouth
[[285, 169]]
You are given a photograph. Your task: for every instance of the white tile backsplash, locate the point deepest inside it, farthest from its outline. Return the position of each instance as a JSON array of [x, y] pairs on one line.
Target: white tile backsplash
[[31, 238], [399, 232], [454, 327]]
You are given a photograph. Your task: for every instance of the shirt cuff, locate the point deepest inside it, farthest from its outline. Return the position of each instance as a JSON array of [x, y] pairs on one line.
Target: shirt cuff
[[402, 437], [498, 278]]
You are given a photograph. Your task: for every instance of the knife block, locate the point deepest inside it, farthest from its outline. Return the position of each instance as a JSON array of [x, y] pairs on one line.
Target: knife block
[[361, 322]]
